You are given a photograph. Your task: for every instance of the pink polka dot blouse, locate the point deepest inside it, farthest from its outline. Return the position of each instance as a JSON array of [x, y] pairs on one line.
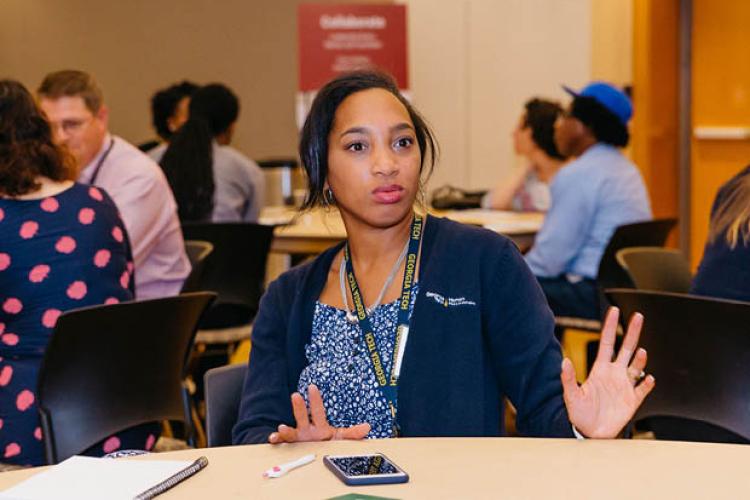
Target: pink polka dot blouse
[[58, 253]]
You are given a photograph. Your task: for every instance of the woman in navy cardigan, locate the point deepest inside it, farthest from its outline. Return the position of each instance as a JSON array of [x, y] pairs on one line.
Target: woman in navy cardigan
[[724, 270], [414, 326]]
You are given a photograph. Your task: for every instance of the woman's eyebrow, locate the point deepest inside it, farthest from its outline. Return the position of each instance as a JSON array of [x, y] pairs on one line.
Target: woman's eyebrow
[[402, 126], [363, 130], [354, 130]]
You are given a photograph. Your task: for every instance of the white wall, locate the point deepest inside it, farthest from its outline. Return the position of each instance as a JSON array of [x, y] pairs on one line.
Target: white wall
[[473, 63], [138, 46]]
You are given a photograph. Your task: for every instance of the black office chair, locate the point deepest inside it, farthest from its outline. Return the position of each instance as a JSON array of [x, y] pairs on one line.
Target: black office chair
[[111, 367], [699, 351], [223, 394], [651, 233], [197, 252], [236, 271], [610, 274], [655, 268]]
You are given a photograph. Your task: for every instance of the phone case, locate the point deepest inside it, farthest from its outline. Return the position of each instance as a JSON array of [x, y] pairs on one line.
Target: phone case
[[400, 477]]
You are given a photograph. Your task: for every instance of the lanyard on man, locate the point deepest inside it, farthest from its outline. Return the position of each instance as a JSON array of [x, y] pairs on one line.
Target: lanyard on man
[[99, 164], [388, 383]]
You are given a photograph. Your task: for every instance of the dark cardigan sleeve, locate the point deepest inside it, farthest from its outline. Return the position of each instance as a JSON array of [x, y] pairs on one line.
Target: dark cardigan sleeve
[[525, 355], [265, 396]]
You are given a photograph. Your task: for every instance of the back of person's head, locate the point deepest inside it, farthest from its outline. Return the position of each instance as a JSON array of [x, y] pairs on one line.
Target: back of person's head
[[164, 106], [26, 147], [604, 125], [188, 161], [731, 218], [540, 117], [313, 144], [605, 110], [72, 83], [217, 105]]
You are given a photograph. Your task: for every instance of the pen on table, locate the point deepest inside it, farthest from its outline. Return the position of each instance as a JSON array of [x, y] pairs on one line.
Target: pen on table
[[280, 470]]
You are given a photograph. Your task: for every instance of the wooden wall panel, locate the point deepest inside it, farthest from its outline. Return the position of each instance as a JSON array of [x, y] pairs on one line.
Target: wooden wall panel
[[655, 98], [720, 97]]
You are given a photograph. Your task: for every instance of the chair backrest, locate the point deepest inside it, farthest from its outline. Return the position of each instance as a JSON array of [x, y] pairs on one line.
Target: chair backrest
[[111, 367], [236, 269], [223, 392], [699, 351], [197, 252], [656, 268], [651, 233]]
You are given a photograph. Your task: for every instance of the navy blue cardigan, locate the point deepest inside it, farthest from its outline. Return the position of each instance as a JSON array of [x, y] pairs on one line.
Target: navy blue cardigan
[[480, 329], [724, 272]]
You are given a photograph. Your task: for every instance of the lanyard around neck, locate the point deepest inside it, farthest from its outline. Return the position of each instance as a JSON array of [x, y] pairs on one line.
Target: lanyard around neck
[[99, 164], [388, 383]]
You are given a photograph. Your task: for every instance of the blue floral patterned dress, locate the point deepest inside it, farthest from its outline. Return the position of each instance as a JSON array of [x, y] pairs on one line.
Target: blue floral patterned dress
[[339, 365]]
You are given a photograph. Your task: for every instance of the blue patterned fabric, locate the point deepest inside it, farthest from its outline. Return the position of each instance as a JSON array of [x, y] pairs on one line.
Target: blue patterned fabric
[[339, 365]]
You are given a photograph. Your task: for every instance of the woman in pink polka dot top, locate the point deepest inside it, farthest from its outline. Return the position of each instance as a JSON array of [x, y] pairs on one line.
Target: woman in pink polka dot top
[[62, 246]]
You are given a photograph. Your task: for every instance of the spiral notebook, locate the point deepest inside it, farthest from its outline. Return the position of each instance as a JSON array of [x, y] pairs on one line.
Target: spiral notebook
[[97, 478]]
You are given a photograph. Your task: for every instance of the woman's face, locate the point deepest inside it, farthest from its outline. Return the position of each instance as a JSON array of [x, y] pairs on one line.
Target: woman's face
[[523, 144], [568, 133], [180, 115], [373, 158]]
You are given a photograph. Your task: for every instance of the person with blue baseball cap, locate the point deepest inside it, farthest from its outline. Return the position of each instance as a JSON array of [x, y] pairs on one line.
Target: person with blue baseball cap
[[592, 195]]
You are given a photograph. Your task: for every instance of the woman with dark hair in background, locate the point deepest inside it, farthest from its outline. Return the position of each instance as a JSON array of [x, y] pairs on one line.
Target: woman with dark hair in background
[[344, 356], [212, 181], [62, 246], [527, 188], [169, 110], [724, 270]]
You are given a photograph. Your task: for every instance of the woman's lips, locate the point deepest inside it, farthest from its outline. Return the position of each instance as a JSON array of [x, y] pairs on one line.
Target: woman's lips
[[388, 194]]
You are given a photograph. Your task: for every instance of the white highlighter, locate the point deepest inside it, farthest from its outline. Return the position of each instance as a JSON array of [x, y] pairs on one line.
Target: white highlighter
[[280, 470]]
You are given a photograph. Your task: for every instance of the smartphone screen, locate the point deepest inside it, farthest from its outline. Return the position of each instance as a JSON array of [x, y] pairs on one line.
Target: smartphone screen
[[365, 469], [364, 465]]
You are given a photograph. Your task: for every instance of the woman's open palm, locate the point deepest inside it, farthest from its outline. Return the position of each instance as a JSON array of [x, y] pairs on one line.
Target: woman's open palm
[[315, 426], [614, 390]]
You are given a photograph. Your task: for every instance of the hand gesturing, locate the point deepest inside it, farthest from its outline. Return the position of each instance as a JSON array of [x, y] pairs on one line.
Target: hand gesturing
[[315, 426], [609, 397]]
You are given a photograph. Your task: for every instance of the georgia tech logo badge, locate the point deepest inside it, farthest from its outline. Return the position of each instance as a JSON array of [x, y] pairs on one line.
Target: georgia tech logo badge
[[450, 301]]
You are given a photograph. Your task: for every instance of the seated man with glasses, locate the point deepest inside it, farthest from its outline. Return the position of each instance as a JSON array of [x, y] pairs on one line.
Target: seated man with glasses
[[74, 106]]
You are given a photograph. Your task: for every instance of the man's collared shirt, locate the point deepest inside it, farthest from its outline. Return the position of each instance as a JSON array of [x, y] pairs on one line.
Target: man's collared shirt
[[141, 193], [591, 197]]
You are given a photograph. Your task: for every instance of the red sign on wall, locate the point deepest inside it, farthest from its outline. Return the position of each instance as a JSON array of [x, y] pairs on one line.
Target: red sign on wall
[[334, 39]]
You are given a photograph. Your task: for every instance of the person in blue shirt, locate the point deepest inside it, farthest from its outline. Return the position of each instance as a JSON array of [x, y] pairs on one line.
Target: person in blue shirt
[[415, 325], [724, 270], [591, 196]]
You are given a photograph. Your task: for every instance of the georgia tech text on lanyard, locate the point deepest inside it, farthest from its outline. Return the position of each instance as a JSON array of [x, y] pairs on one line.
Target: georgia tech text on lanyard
[[388, 384]]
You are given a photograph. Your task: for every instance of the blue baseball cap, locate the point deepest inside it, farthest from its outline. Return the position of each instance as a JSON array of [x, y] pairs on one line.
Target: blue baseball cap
[[609, 96]]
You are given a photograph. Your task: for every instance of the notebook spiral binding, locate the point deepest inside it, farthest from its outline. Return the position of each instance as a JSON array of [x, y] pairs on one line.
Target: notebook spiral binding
[[173, 480]]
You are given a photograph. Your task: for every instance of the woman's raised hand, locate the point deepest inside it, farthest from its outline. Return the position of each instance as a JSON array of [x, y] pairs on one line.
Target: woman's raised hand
[[614, 390], [315, 426]]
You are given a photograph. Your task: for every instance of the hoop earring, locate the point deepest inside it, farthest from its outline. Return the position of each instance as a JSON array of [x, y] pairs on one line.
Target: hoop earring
[[328, 198], [422, 196]]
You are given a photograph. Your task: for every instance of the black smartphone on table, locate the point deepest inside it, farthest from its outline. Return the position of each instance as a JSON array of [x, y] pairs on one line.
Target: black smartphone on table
[[356, 470]]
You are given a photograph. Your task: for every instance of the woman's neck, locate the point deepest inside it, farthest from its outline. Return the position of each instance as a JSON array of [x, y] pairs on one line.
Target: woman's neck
[[47, 187], [371, 247]]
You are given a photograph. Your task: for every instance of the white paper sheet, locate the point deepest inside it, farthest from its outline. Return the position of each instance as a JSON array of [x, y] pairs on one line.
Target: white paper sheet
[[94, 478]]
